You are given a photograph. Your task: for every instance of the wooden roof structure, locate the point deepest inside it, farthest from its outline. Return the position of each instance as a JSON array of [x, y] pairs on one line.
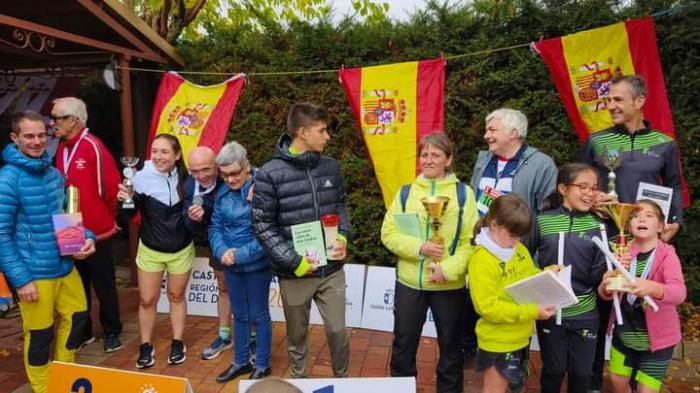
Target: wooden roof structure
[[69, 33], [47, 36]]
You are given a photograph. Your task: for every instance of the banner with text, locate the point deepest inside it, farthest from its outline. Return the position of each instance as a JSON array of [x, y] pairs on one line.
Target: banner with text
[[203, 294]]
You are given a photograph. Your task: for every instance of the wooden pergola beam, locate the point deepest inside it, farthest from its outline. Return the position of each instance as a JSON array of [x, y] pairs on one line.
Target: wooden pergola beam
[[63, 35], [116, 26]]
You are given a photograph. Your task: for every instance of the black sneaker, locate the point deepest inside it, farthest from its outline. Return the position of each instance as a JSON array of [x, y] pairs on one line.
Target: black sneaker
[[112, 343], [147, 356], [86, 341], [178, 352]]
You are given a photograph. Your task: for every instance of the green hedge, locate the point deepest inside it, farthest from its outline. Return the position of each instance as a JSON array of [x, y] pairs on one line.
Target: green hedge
[[475, 85]]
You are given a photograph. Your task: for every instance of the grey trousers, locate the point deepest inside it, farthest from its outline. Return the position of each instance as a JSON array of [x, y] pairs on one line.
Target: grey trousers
[[329, 295]]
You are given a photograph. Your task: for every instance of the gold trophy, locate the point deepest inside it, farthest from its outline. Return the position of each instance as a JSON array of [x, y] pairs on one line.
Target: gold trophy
[[435, 206], [72, 200], [620, 214]]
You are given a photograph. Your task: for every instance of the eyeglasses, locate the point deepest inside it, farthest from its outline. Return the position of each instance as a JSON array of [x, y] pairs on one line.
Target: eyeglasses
[[226, 175], [57, 118], [585, 188]]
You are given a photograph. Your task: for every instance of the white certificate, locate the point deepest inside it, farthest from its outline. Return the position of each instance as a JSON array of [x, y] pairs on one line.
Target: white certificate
[[659, 194]]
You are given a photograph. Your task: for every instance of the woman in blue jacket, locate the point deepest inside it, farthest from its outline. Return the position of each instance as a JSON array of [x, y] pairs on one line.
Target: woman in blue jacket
[[246, 267]]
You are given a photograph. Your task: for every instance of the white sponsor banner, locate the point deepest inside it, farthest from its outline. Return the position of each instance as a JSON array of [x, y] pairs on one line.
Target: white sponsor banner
[[345, 385], [354, 290], [202, 291], [203, 294], [378, 310]]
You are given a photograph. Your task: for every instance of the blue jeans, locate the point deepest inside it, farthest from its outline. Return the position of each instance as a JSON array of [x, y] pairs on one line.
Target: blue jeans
[[249, 293]]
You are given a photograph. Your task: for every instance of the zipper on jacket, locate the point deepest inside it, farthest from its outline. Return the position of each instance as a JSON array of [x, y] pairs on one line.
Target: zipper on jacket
[[170, 192], [568, 233], [313, 193], [632, 143]]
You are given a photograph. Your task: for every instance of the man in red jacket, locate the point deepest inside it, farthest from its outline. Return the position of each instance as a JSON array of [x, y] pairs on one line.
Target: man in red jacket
[[87, 164]]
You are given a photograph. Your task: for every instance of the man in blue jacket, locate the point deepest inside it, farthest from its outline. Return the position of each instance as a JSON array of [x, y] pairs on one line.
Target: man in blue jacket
[[31, 192]]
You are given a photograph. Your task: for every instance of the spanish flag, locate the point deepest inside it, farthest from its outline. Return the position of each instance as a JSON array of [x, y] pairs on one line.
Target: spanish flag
[[196, 115], [583, 64], [395, 105]]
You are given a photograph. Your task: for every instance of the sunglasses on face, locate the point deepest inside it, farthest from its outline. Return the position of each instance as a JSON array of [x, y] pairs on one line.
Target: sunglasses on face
[[57, 118]]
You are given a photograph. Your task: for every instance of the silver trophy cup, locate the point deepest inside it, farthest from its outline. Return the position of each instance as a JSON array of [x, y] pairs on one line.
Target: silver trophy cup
[[129, 173]]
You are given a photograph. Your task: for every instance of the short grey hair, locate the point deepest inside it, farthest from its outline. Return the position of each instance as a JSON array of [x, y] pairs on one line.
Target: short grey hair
[[73, 107], [512, 119], [232, 152], [639, 87]]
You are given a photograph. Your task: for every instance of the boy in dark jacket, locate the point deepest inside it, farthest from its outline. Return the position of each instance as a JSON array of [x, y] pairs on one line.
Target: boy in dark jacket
[[299, 185]]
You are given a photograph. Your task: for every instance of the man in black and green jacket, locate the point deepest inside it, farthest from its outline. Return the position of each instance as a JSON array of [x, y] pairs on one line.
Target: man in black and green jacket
[[646, 156]]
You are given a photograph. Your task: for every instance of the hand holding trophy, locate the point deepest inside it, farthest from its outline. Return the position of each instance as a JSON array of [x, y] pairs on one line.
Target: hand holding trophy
[[129, 173]]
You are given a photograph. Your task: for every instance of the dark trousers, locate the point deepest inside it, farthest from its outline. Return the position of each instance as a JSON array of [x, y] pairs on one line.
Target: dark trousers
[[604, 308], [566, 350], [410, 308], [97, 271], [469, 320]]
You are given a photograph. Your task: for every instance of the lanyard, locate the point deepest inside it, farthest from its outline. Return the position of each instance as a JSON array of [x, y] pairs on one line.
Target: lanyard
[[67, 159], [206, 190], [645, 273]]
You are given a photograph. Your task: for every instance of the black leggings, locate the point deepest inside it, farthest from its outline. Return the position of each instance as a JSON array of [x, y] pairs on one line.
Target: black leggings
[[566, 350]]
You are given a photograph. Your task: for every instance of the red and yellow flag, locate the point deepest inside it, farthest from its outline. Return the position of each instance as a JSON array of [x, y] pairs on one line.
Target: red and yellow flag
[[196, 115], [583, 64], [395, 105]]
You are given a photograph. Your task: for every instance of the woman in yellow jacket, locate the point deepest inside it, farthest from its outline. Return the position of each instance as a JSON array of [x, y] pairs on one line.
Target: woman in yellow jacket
[[430, 274]]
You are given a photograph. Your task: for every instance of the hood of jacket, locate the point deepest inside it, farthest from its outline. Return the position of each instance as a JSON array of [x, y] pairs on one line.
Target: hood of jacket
[[12, 155], [304, 160]]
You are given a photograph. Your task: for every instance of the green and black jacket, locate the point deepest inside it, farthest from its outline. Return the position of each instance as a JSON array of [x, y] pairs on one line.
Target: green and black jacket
[[587, 261]]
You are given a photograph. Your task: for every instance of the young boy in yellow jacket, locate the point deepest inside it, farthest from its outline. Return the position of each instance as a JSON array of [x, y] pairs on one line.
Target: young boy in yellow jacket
[[504, 329]]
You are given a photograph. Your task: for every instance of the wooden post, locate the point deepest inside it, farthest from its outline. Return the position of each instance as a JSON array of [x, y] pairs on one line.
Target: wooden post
[[129, 150]]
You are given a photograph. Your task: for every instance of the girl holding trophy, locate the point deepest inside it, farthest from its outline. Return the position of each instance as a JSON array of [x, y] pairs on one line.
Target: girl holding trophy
[[564, 230], [165, 243], [643, 344]]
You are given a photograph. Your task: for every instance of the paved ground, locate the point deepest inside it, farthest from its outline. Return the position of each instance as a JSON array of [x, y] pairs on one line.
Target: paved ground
[[369, 356]]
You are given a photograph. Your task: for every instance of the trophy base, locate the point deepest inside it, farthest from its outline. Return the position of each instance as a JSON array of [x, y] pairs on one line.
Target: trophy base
[[617, 284], [128, 205]]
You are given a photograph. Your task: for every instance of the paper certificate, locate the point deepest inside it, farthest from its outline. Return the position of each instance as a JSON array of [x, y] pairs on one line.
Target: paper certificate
[[308, 242], [659, 194], [408, 224], [544, 288]]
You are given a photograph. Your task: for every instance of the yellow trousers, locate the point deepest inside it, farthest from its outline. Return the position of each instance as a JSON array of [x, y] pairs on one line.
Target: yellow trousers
[[63, 296]]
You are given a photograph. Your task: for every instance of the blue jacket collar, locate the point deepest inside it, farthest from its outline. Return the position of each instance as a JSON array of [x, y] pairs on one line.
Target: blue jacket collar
[[12, 155]]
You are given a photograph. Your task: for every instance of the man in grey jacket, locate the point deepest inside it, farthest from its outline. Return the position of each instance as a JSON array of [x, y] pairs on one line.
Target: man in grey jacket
[[508, 166], [511, 166]]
